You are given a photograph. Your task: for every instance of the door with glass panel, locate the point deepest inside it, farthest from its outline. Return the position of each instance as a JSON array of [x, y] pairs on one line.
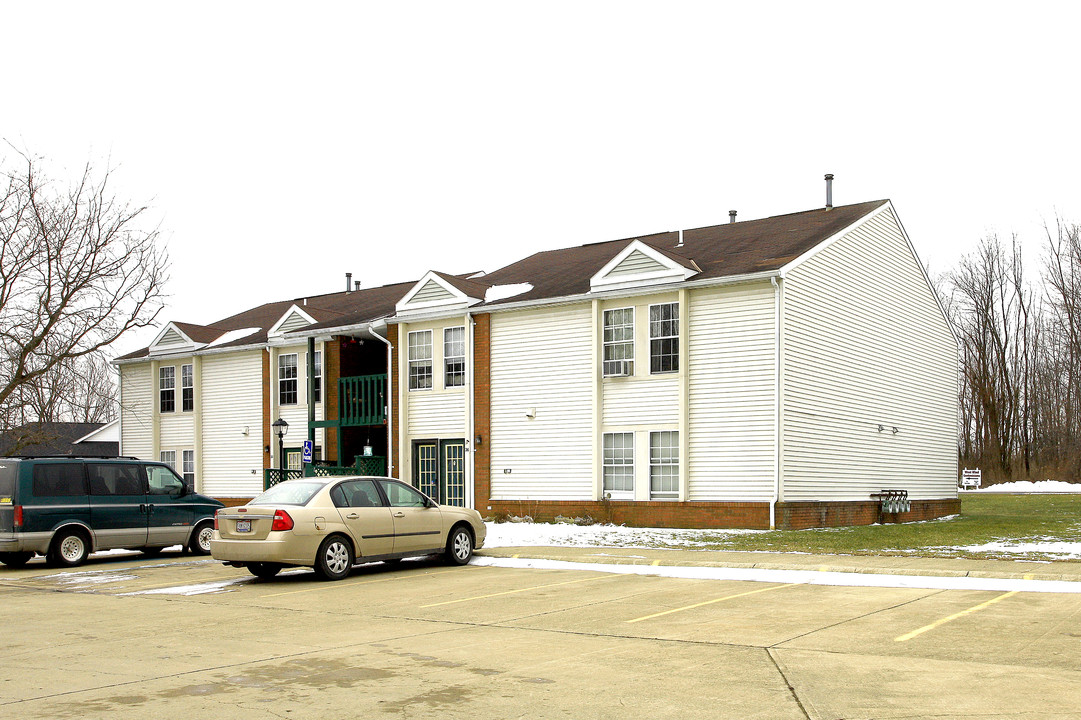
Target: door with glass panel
[[426, 467], [439, 470]]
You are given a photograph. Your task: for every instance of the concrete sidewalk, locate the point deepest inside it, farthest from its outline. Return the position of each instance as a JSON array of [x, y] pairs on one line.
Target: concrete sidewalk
[[878, 564]]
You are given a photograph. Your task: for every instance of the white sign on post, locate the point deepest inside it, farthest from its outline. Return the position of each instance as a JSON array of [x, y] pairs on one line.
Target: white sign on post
[[971, 478]]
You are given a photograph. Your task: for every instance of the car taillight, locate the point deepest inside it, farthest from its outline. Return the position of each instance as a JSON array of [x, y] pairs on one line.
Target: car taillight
[[18, 516], [215, 519], [282, 521]]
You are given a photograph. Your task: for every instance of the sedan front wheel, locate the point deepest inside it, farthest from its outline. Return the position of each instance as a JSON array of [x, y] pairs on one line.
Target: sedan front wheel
[[459, 546], [335, 558]]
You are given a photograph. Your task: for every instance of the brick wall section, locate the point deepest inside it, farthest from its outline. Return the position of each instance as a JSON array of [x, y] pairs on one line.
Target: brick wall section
[[482, 410], [641, 514], [392, 371], [332, 371], [266, 408], [801, 515]]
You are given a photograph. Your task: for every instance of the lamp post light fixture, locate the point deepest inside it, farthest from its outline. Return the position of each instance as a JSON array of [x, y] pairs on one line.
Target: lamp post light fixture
[[281, 428]]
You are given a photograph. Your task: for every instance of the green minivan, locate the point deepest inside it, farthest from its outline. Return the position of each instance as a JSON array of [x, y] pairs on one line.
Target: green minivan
[[67, 507]]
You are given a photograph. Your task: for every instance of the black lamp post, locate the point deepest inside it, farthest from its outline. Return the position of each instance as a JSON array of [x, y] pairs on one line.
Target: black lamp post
[[281, 428]]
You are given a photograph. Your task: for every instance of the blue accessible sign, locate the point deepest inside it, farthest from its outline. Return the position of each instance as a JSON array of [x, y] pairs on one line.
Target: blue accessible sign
[[306, 456]]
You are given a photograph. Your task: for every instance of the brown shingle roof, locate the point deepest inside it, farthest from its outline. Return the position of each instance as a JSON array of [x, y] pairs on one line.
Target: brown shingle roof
[[727, 250]]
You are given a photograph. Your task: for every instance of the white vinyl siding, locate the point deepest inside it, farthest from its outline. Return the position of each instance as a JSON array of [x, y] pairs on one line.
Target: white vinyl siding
[[636, 263], [436, 415], [865, 344], [232, 400], [542, 360], [295, 321], [139, 402], [431, 292], [732, 393], [640, 401]]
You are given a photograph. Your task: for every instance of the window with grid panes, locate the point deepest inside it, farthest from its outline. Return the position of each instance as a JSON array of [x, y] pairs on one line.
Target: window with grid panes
[[287, 379], [187, 388], [664, 465], [618, 342], [188, 460], [167, 389], [618, 464], [169, 458], [454, 357], [317, 377], [664, 338], [420, 360]]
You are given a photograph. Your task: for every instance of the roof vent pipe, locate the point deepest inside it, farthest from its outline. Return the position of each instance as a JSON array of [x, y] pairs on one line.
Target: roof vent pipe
[[829, 190], [731, 216], [356, 285], [680, 243], [348, 282]]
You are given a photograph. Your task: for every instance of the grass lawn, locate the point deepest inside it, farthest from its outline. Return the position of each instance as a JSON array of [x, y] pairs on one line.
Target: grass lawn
[[984, 518]]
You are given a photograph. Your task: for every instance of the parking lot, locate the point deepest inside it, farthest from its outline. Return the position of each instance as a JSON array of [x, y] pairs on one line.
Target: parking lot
[[182, 636]]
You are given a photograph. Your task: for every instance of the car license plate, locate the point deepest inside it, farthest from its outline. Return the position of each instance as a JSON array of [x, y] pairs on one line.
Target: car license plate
[[243, 525]]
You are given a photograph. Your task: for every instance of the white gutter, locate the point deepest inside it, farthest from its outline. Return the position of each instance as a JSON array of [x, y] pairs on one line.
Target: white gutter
[[390, 401]]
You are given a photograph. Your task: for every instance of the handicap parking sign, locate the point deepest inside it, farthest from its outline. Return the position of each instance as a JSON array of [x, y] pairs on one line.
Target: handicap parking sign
[[306, 456]]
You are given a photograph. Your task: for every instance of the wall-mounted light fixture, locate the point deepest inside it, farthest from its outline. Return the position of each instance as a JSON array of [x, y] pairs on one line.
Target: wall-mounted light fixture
[[476, 441], [244, 432], [531, 413]]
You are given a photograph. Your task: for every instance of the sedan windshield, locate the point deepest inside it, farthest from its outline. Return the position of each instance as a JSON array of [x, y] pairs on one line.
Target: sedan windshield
[[298, 492]]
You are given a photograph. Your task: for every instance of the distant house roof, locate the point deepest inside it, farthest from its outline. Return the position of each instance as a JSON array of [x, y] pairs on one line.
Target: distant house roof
[[60, 438]]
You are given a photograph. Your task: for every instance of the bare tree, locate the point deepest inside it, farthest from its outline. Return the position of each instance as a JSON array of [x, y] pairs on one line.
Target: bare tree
[[77, 271]]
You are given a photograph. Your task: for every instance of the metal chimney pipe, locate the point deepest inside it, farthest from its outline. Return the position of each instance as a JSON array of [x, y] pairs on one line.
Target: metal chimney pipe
[[731, 216], [356, 285], [348, 282], [829, 190]]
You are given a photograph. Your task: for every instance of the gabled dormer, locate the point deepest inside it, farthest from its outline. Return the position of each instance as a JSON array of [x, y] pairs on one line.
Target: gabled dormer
[[178, 338], [438, 291], [293, 319], [639, 265]]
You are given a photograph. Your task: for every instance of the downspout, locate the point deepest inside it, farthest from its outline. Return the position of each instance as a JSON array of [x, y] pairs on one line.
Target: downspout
[[777, 405], [471, 499], [390, 401]]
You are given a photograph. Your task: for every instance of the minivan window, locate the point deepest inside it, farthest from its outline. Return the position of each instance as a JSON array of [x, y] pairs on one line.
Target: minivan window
[[114, 479], [163, 480], [7, 481], [59, 479]]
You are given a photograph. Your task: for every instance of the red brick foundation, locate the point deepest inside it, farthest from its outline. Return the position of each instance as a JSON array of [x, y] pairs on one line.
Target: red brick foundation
[[704, 515]]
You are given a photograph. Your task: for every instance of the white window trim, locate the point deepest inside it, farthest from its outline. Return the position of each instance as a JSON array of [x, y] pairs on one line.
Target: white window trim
[[161, 389], [295, 378], [619, 494], [183, 463], [454, 357], [605, 344], [184, 387], [410, 361], [675, 495], [650, 338]]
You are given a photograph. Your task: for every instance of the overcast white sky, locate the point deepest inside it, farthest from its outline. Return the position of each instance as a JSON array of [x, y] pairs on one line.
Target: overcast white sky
[[282, 145]]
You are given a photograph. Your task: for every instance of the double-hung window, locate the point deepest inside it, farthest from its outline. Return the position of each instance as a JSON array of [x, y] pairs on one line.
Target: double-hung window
[[664, 338], [189, 467], [317, 377], [664, 465], [618, 464], [454, 357], [168, 457], [187, 388], [618, 342], [287, 379], [167, 389], [420, 360]]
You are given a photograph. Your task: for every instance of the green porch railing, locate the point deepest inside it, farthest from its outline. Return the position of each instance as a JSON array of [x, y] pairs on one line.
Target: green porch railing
[[362, 400], [362, 465]]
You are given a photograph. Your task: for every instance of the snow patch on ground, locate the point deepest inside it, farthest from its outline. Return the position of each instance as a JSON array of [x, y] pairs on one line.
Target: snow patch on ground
[[523, 534], [1026, 486]]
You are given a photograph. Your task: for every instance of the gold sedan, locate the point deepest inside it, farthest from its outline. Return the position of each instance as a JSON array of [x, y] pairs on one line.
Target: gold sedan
[[331, 524]]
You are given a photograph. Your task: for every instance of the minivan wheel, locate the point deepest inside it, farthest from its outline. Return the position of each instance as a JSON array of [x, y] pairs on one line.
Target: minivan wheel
[[69, 548], [459, 546], [15, 559], [335, 558], [200, 539]]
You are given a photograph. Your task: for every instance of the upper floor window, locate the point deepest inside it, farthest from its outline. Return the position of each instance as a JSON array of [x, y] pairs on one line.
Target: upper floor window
[[618, 342], [317, 377], [454, 357], [168, 457], [420, 360], [287, 379], [664, 338], [187, 388], [167, 389]]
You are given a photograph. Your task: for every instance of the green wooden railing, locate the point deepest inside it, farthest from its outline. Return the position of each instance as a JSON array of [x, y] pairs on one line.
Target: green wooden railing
[[362, 465], [362, 400]]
